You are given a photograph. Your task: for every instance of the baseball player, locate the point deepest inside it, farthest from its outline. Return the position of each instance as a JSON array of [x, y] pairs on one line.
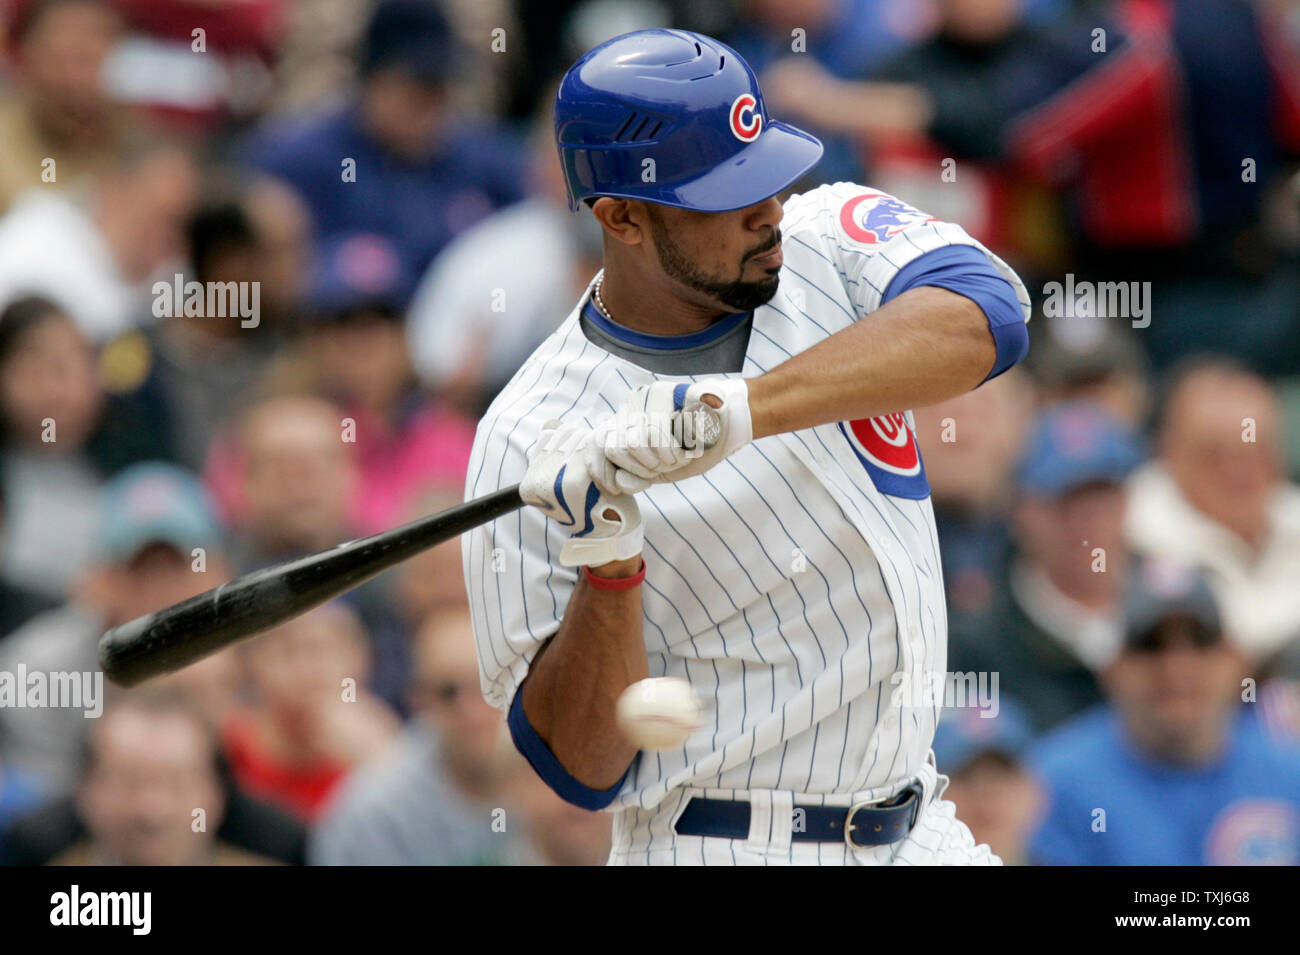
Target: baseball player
[[785, 563]]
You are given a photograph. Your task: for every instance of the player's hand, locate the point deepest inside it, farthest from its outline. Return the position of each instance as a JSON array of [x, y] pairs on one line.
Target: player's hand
[[644, 438], [605, 527], [710, 421]]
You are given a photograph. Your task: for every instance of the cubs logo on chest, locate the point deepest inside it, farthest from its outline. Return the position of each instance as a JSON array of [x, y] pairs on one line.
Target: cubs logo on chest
[[886, 447]]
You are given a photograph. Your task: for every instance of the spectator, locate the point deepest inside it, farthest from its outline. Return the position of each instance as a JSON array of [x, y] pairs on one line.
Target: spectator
[[310, 721], [282, 224], [1172, 770], [197, 366], [315, 63], [395, 160], [970, 446], [285, 479], [842, 40], [950, 98], [209, 688], [58, 108], [150, 763], [1160, 195], [155, 516], [986, 61], [1279, 699], [19, 603], [354, 351], [504, 284], [155, 66], [982, 752], [95, 253], [288, 483], [315, 60], [432, 581], [432, 801], [554, 33], [49, 388], [543, 27], [20, 793], [1093, 359], [557, 832], [60, 435], [248, 824], [1056, 618], [1217, 496]]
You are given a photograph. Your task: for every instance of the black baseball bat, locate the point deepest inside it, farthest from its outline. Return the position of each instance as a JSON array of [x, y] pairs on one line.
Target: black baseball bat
[[176, 636]]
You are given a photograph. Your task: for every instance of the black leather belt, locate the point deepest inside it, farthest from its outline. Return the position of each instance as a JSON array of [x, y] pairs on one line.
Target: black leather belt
[[860, 825]]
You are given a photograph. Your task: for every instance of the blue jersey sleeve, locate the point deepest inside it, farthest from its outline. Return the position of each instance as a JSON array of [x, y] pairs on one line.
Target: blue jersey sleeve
[[967, 271], [552, 771]]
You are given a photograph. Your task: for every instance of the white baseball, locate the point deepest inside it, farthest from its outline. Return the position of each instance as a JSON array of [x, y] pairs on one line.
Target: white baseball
[[658, 713]]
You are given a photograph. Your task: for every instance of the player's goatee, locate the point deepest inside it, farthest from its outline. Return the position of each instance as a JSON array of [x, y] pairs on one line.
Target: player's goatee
[[739, 295]]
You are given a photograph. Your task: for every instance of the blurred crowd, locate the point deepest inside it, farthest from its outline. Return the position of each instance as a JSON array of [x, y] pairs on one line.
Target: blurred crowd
[[263, 263]]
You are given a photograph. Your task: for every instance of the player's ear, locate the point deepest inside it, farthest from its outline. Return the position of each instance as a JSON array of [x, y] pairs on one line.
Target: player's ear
[[624, 219]]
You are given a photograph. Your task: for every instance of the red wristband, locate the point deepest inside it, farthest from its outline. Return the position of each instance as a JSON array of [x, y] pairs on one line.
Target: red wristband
[[614, 583]]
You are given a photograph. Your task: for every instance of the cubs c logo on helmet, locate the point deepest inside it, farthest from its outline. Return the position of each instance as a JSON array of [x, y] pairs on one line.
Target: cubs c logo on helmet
[[887, 448], [875, 217], [746, 123]]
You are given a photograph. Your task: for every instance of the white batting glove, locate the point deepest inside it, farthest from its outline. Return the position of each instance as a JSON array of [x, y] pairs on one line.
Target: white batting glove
[[559, 482], [701, 435], [642, 439]]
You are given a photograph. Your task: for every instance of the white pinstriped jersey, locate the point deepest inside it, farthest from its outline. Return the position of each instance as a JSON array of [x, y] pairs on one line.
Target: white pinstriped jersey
[[795, 585]]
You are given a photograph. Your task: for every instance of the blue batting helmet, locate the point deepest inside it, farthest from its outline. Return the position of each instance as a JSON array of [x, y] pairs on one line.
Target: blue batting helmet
[[676, 118]]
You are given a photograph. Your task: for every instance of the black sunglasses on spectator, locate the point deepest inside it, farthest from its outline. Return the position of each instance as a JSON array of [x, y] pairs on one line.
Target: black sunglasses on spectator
[[1164, 634]]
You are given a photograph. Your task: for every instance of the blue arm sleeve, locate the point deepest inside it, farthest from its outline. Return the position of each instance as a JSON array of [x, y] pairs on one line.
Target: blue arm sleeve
[[967, 271], [553, 773]]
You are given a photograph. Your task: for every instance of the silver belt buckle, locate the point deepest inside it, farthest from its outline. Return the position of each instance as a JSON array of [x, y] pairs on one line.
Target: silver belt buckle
[[849, 828]]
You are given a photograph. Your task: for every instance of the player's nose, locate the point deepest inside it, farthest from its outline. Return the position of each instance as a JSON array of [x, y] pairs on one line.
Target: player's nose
[[764, 215]]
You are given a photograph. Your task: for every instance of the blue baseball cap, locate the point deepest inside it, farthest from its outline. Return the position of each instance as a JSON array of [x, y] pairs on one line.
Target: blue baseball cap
[[1161, 588], [967, 732], [412, 36], [155, 503], [356, 271], [1076, 444]]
